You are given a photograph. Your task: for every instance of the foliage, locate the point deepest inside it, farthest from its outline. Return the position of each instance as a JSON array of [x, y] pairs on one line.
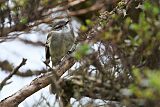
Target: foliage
[[124, 66]]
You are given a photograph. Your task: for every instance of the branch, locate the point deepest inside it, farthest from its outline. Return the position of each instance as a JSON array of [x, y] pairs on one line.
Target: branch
[[37, 84], [97, 6], [98, 89], [37, 43], [46, 19], [7, 67], [44, 80], [12, 73]]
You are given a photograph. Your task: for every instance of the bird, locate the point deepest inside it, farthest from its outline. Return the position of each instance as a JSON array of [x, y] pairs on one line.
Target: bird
[[59, 41]]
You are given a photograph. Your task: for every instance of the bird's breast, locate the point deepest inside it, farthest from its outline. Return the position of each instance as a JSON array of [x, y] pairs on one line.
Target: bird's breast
[[60, 44]]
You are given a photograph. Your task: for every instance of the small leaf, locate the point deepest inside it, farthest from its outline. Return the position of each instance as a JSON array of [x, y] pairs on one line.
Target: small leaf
[[89, 22], [83, 28], [24, 20]]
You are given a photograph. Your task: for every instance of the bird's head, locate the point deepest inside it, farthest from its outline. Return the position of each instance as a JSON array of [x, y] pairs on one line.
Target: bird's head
[[61, 26]]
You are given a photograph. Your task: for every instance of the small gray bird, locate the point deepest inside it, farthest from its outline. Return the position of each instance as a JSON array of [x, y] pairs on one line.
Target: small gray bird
[[59, 41]]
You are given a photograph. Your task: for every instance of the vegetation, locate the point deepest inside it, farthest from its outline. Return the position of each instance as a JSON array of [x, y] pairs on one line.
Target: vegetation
[[118, 57]]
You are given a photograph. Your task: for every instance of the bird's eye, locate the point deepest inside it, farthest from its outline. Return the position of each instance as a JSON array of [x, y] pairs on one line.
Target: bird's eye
[[60, 25]]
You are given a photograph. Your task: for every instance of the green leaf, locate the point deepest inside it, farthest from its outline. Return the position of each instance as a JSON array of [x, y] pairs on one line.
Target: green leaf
[[83, 28], [24, 20], [154, 80], [82, 51], [89, 22]]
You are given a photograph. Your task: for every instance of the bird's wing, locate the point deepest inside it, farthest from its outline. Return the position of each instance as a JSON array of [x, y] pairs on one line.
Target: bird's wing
[[47, 50]]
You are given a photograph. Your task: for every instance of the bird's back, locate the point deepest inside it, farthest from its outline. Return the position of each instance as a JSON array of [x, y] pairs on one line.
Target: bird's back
[[60, 45]]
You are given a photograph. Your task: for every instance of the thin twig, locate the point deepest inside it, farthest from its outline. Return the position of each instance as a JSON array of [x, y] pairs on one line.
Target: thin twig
[[2, 84]]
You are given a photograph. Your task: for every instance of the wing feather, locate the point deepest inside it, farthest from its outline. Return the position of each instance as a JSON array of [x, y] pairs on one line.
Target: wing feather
[[47, 50]]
